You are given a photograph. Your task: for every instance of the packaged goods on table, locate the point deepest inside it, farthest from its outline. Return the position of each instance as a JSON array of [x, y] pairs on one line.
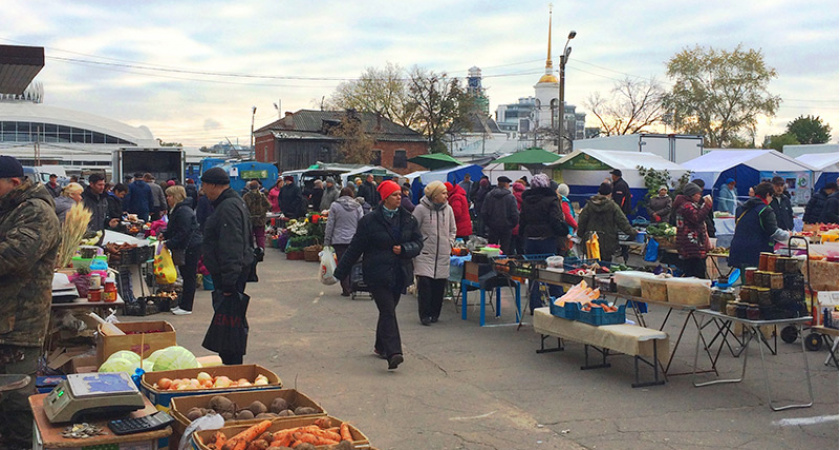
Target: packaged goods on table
[[689, 291]]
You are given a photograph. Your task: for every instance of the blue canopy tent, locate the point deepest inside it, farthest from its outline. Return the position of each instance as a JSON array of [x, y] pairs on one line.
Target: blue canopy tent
[[241, 172], [453, 175], [748, 168]]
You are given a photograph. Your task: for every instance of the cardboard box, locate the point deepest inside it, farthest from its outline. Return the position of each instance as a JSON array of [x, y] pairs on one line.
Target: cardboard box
[[84, 363], [141, 343], [179, 406], [59, 358], [161, 399], [473, 271], [200, 439]]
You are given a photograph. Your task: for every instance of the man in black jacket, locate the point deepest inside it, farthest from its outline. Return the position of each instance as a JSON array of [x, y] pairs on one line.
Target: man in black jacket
[[817, 203], [96, 201], [228, 251], [291, 199], [620, 191], [781, 204], [369, 192], [832, 203], [500, 215]]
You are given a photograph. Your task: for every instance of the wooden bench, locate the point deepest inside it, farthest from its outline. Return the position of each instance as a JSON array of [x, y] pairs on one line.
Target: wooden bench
[[648, 346]]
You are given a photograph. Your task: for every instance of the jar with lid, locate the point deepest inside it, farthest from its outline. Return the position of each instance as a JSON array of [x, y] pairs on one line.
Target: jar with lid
[[753, 312], [777, 281], [731, 309], [109, 294], [762, 297], [741, 310], [749, 275], [744, 293], [762, 260], [792, 265]]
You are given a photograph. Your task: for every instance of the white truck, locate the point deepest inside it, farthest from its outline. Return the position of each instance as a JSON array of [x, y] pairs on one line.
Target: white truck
[[677, 148], [164, 163]]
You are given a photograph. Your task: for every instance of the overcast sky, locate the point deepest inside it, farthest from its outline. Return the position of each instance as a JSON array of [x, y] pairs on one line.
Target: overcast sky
[[100, 53]]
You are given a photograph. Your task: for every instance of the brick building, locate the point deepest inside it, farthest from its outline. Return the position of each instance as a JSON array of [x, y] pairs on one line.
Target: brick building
[[303, 138]]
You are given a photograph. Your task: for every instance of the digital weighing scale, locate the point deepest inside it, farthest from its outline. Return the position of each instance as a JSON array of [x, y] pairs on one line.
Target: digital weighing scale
[[92, 394]]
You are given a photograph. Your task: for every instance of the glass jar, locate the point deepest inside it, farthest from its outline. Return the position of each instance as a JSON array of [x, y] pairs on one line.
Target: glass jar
[[753, 313], [741, 310], [777, 281], [762, 297], [792, 265], [762, 261], [749, 275], [731, 308]]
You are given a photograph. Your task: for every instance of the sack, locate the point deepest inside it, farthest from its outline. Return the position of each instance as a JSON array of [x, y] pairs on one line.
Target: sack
[[179, 257], [652, 250], [327, 265], [228, 331], [165, 272]]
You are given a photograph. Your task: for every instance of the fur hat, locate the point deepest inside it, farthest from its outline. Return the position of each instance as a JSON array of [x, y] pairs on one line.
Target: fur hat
[[434, 188], [540, 180]]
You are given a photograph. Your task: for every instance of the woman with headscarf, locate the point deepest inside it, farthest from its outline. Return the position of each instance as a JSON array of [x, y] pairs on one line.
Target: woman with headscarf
[[540, 225], [70, 195], [604, 216], [437, 225], [389, 238], [690, 211], [659, 207], [182, 235]]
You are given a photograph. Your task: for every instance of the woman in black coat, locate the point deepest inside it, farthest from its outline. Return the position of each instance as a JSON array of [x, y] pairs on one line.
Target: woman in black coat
[[389, 237], [183, 236]]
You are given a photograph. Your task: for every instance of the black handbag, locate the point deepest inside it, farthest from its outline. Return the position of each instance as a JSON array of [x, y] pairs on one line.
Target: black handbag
[[228, 331]]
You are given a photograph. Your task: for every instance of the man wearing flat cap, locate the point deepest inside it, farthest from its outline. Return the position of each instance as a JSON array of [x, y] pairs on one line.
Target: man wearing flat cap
[[331, 194], [29, 238], [620, 191], [500, 215], [228, 252]]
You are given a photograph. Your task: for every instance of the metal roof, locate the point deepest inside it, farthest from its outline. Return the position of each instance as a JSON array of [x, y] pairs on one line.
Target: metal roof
[[18, 67], [307, 122]]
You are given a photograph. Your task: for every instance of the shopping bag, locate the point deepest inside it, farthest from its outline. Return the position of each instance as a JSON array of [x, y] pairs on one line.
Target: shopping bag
[[165, 272], [327, 265], [652, 250], [228, 331]]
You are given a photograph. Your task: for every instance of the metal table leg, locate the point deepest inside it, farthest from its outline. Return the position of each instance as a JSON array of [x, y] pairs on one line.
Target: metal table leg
[[756, 330], [729, 380]]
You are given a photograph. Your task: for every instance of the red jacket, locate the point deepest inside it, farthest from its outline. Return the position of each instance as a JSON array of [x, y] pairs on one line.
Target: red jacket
[[461, 209], [692, 237], [518, 189]]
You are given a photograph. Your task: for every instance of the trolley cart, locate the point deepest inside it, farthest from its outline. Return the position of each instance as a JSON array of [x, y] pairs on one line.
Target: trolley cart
[[791, 332], [357, 282]]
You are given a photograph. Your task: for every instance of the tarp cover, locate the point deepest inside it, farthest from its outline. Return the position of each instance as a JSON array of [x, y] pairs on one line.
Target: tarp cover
[[711, 165], [589, 167], [824, 162]]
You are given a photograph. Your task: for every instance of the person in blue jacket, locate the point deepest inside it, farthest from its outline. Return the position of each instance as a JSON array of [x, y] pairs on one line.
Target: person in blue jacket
[[756, 229], [139, 200]]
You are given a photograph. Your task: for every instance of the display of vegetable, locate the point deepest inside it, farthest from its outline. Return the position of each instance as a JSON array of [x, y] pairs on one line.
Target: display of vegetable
[[580, 293], [257, 437], [229, 410], [661, 229]]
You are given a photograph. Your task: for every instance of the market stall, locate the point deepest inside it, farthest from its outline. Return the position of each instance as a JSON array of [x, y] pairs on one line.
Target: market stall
[[584, 170], [452, 175], [827, 166], [748, 168]]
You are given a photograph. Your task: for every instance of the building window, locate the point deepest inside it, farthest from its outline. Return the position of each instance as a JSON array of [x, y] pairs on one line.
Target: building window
[[376, 158], [400, 159]]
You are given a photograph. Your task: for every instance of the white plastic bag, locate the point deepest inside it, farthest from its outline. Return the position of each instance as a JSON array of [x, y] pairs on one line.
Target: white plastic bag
[[327, 265], [209, 422]]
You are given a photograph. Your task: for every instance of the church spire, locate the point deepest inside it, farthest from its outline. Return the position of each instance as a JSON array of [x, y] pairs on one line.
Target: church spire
[[548, 69]]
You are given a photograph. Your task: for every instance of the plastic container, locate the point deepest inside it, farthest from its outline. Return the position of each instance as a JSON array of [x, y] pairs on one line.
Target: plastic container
[[689, 291], [109, 294], [598, 317], [95, 281], [95, 295], [566, 311], [630, 282]]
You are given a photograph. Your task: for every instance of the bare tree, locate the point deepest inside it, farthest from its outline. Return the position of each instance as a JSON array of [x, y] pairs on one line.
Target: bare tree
[[634, 107], [441, 103], [381, 91], [356, 143]]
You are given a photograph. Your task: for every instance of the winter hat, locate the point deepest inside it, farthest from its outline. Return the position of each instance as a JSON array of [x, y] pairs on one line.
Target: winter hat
[[540, 180], [330, 180], [386, 188], [690, 189], [605, 188], [215, 175], [10, 167], [563, 190], [663, 187], [170, 183], [433, 189], [289, 178], [449, 186], [358, 181]]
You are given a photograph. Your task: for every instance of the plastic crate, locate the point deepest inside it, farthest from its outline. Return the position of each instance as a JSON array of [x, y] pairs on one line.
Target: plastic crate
[[598, 317], [564, 312], [144, 306]]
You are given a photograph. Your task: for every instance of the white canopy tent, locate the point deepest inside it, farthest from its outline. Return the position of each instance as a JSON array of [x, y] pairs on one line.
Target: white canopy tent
[[710, 166], [590, 167], [823, 162]]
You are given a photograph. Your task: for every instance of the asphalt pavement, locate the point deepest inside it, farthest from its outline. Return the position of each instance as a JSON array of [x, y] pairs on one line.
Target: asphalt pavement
[[468, 387]]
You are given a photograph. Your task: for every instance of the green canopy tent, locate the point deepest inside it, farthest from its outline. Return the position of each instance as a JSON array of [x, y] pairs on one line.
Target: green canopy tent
[[532, 158], [435, 161]]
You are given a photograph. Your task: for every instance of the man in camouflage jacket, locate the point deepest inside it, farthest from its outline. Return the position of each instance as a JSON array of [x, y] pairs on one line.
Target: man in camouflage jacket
[[258, 206], [29, 238]]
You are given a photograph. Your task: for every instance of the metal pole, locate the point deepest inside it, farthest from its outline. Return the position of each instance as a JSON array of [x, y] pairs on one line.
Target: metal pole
[[253, 115], [561, 113]]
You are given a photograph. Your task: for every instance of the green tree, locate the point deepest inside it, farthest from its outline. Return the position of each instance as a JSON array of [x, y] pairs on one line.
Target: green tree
[[634, 107], [441, 103], [778, 141], [380, 91], [720, 93], [809, 130], [356, 144]]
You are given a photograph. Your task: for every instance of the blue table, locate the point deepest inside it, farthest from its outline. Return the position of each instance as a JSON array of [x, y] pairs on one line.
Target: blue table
[[483, 290]]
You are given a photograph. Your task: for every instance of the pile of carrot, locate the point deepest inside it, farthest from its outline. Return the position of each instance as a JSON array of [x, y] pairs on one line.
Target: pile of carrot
[[258, 437], [607, 308]]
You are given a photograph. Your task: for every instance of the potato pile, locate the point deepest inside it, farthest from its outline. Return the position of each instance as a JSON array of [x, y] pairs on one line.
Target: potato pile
[[222, 405]]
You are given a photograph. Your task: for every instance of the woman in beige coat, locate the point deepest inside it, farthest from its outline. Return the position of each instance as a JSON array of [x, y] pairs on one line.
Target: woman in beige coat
[[431, 266]]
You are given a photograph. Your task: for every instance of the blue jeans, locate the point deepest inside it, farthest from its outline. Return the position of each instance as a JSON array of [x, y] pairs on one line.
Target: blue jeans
[[539, 247]]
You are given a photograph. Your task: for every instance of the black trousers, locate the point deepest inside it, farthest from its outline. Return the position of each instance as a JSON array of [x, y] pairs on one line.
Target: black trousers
[[387, 331], [234, 358], [430, 296], [188, 273], [694, 267], [345, 282], [502, 238]]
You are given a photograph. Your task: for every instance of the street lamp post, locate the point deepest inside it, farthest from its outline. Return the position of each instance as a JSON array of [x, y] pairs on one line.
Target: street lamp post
[[564, 57], [253, 114]]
